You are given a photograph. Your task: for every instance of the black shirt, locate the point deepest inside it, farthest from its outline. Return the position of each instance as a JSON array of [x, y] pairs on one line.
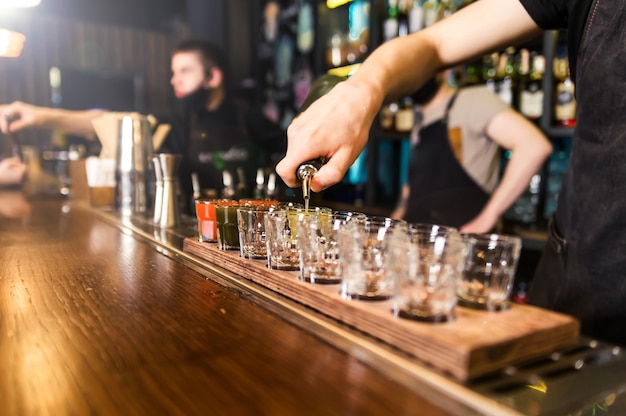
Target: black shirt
[[235, 137], [562, 14]]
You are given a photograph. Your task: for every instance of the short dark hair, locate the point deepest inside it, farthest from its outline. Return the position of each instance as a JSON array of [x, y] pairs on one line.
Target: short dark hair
[[212, 55]]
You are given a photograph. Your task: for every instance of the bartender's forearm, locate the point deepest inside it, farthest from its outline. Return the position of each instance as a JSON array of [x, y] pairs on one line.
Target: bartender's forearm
[[401, 65], [529, 149], [72, 122], [22, 116], [515, 181]]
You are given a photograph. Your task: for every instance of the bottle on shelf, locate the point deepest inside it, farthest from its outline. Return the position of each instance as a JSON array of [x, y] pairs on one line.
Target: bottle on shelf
[[531, 87], [405, 116], [489, 71], [565, 101], [432, 12], [470, 75], [387, 117], [416, 17], [404, 7], [391, 23], [507, 74]]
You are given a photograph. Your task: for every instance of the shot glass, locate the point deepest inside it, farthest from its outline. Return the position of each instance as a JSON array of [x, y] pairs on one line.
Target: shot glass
[[207, 224], [426, 264], [363, 251], [319, 246], [282, 235], [282, 247], [227, 230], [489, 271], [252, 236]]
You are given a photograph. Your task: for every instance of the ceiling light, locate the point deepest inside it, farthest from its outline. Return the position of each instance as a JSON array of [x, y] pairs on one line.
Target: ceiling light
[[19, 3], [11, 43]]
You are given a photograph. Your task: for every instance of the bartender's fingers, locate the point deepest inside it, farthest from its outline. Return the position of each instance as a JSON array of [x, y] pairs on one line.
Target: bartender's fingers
[[333, 171], [18, 124], [300, 148], [9, 116], [4, 111]]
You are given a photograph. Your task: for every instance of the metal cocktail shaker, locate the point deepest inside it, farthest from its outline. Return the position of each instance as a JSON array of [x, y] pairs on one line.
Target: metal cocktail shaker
[[170, 210], [133, 170]]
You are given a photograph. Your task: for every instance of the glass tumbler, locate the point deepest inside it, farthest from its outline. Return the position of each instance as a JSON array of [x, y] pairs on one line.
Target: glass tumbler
[[227, 230], [207, 223], [319, 246], [252, 235], [489, 271], [426, 263], [363, 251]]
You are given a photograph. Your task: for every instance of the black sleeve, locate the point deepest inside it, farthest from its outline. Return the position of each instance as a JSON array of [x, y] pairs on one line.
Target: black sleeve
[[175, 141], [548, 14], [267, 135]]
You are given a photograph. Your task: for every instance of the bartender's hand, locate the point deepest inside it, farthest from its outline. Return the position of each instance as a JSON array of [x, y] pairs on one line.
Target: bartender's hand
[[22, 115], [335, 126], [12, 171], [483, 223]]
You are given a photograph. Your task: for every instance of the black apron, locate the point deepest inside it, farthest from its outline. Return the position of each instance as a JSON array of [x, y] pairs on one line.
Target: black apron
[[213, 141], [441, 191], [582, 271]]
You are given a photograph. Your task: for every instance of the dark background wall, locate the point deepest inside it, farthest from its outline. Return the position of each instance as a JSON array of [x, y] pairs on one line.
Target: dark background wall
[[119, 38]]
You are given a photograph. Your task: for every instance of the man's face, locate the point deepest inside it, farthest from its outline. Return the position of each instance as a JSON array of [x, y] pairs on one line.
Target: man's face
[[187, 73]]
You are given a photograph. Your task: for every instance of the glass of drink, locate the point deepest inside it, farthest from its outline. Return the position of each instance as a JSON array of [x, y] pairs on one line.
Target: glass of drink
[[207, 224], [282, 247], [283, 252], [252, 235], [227, 230], [489, 271], [426, 265], [363, 251], [319, 246]]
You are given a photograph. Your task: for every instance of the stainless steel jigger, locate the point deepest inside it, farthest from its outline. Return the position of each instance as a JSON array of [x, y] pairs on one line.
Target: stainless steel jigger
[[158, 192], [170, 211]]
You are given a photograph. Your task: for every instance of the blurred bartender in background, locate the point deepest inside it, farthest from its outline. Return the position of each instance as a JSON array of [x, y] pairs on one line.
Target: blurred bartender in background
[[210, 129], [581, 271], [213, 131], [12, 172], [455, 157]]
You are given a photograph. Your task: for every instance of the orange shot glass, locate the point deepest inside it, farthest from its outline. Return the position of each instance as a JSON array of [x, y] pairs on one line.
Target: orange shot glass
[[207, 223]]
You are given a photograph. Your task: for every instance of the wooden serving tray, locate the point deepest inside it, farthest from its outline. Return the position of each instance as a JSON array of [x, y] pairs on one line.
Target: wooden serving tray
[[476, 343]]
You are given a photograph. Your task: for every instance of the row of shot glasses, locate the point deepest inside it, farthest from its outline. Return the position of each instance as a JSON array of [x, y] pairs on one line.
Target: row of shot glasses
[[425, 269]]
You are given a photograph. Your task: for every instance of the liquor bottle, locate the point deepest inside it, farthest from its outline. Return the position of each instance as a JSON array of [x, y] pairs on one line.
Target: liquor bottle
[[506, 75], [531, 89], [489, 71], [259, 190], [432, 9], [416, 16], [523, 75], [403, 17], [470, 75], [405, 117], [391, 24], [387, 116], [565, 101]]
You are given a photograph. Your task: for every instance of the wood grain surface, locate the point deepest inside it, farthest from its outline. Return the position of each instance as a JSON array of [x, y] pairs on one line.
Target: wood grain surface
[[475, 344], [96, 322]]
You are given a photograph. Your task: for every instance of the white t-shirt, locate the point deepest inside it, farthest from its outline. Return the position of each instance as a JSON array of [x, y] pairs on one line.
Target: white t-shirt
[[471, 112]]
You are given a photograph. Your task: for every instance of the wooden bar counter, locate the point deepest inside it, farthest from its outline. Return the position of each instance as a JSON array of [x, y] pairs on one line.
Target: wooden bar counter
[[96, 321], [100, 316]]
